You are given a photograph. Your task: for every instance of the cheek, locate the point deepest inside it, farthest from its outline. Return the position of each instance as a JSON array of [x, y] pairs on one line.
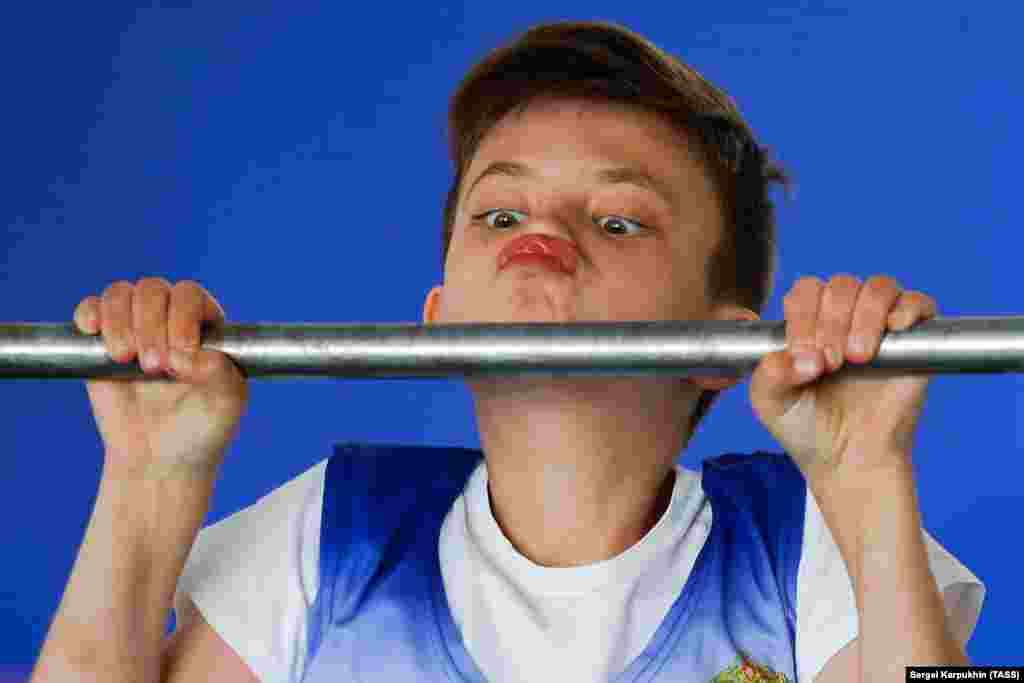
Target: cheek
[[465, 287], [666, 288], [467, 237]]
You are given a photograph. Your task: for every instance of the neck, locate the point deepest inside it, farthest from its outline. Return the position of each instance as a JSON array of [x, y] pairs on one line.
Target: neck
[[580, 469]]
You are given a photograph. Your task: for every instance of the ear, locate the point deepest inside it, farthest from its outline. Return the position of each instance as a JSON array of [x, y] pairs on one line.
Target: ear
[[430, 305], [711, 383]]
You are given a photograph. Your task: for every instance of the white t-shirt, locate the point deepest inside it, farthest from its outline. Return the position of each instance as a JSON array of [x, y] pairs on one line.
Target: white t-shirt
[[254, 576]]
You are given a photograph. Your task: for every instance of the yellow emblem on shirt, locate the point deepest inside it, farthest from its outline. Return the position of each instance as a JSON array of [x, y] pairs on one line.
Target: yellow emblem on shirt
[[746, 671]]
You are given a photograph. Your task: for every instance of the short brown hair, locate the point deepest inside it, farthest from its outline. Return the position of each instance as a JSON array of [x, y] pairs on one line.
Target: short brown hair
[[605, 61]]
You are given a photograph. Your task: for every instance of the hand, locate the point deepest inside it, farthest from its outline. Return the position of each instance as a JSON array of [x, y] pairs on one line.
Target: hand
[[842, 424], [170, 428]]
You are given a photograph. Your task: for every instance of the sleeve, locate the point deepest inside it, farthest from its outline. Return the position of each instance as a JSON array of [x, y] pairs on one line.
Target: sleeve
[[254, 574], [825, 626]]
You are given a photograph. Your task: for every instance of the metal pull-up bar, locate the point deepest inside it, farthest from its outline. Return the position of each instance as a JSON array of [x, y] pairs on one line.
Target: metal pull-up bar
[[406, 350]]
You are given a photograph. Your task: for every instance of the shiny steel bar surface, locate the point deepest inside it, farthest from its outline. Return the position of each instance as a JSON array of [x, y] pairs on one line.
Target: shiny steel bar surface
[[408, 351]]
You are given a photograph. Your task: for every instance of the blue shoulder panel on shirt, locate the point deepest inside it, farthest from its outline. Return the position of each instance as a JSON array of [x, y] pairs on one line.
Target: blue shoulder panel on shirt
[[376, 498], [772, 490]]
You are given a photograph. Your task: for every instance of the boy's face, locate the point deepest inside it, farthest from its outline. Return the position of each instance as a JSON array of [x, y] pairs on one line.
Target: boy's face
[[641, 253]]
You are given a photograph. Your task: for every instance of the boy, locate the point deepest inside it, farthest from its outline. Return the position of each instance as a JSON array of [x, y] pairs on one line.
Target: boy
[[597, 178]]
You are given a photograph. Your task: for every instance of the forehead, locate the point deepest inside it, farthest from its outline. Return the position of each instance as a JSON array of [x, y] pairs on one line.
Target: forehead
[[610, 132]]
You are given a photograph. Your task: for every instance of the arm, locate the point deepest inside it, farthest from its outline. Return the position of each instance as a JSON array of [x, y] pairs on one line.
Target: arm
[[901, 617], [113, 615]]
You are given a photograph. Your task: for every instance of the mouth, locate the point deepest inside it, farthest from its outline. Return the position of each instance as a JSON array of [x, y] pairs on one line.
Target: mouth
[[552, 252], [547, 262]]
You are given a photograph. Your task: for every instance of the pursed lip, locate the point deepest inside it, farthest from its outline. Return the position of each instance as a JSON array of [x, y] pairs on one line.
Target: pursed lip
[[537, 244]]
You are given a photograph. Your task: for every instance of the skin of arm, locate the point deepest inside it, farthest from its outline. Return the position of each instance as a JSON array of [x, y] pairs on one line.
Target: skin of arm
[[112, 618], [876, 522]]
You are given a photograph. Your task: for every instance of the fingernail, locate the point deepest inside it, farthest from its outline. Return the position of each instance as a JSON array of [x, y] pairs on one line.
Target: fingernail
[[87, 320], [150, 359], [805, 363], [181, 360], [858, 345], [119, 349], [832, 355]]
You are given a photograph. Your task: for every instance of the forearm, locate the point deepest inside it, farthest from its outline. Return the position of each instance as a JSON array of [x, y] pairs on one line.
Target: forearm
[[112, 618], [902, 621]]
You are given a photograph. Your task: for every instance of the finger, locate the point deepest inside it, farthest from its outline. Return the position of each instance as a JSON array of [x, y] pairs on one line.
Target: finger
[[212, 310], [911, 307], [191, 305], [197, 307], [87, 315], [836, 316], [876, 299], [185, 316], [801, 310], [777, 385], [800, 307], [116, 319], [149, 311]]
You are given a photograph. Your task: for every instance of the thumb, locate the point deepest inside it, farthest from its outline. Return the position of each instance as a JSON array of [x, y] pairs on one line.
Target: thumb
[[776, 384], [212, 368]]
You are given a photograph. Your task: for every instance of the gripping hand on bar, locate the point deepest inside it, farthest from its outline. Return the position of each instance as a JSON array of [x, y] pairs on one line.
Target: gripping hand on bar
[[149, 430]]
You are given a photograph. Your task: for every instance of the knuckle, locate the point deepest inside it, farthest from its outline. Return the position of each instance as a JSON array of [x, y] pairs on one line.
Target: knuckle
[[879, 296], [845, 278], [882, 283], [189, 300], [187, 285], [804, 287], [118, 289], [153, 282], [842, 290], [844, 283], [190, 294], [808, 282]]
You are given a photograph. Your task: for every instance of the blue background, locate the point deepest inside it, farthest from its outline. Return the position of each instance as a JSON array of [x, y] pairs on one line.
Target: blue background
[[274, 151]]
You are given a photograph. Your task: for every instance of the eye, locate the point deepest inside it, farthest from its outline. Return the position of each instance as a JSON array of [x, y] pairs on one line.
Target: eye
[[606, 221], [496, 213], [502, 217]]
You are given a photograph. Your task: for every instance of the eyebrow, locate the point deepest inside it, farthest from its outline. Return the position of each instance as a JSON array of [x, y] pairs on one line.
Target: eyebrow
[[619, 174]]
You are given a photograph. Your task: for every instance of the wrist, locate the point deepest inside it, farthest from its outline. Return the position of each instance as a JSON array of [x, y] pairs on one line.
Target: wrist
[[118, 466], [849, 480], [154, 514], [870, 510]]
